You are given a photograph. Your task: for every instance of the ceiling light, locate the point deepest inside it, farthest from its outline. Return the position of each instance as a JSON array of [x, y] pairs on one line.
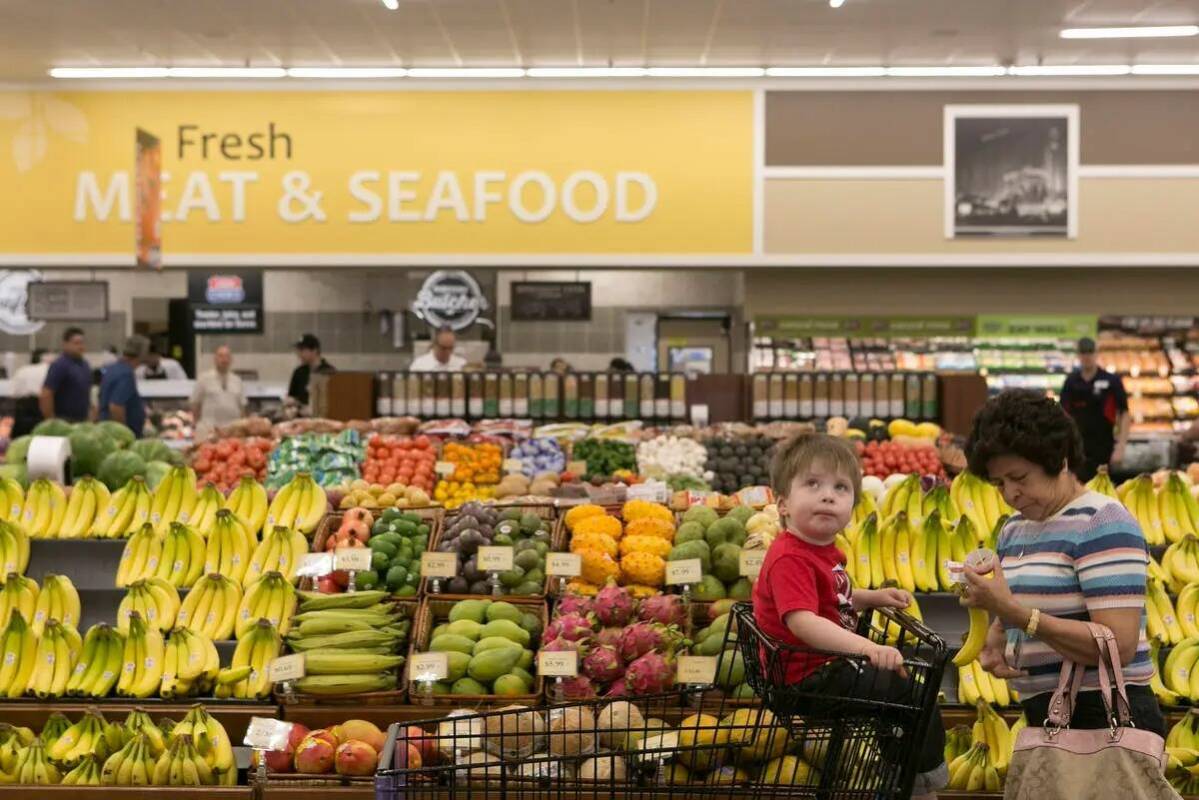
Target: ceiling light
[[391, 5], [1166, 69], [466, 72], [826, 72], [945, 72], [1071, 70], [836, 3], [346, 72], [1130, 33], [226, 72], [586, 72], [705, 72], [108, 72]]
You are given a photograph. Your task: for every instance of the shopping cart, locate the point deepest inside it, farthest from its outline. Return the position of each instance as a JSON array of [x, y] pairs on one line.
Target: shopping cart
[[691, 743]]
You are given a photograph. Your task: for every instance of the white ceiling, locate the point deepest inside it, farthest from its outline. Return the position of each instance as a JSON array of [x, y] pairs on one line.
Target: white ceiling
[[38, 34]]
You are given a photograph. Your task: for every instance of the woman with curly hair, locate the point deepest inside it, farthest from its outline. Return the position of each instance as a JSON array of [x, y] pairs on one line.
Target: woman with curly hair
[[1068, 556]]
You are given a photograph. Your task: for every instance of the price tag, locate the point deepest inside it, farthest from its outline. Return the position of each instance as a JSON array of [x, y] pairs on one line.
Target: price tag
[[751, 562], [699, 415], [568, 565], [498, 559], [563, 664], [314, 565], [755, 496], [689, 570], [354, 559], [577, 467], [286, 668], [444, 468], [513, 465], [265, 733], [438, 565], [429, 667], [653, 491], [696, 669]]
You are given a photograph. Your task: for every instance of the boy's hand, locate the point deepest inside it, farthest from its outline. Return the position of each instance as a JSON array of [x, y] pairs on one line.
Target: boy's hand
[[887, 658], [892, 598]]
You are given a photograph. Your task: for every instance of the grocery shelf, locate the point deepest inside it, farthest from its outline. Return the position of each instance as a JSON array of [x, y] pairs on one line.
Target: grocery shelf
[[233, 714], [10, 792]]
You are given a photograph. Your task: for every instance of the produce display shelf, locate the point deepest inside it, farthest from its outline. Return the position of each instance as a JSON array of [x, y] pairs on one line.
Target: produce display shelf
[[315, 715], [233, 714], [11, 792]]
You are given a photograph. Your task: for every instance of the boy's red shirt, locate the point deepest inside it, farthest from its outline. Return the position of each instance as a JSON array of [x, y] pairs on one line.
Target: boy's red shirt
[[798, 576]]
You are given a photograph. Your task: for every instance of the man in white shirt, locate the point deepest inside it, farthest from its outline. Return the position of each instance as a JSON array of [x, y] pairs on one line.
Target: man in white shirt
[[441, 356], [218, 398], [159, 367]]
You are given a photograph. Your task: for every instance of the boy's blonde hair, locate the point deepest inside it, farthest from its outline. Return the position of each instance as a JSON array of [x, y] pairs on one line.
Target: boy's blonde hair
[[796, 456]]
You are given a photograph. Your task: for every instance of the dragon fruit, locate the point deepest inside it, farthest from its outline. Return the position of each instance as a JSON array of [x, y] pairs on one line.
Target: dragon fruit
[[667, 609], [650, 673], [576, 688], [574, 604], [642, 637], [609, 636], [614, 605], [561, 645], [574, 627], [618, 689], [603, 665]]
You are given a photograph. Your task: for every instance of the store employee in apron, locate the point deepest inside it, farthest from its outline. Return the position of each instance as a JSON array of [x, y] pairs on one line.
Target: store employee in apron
[[1095, 398]]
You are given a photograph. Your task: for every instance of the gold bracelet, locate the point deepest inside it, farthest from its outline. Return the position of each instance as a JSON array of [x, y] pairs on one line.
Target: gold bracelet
[[1034, 619]]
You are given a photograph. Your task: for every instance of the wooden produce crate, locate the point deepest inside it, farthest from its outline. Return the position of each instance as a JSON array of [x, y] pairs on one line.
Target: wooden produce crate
[[16, 792], [432, 612], [433, 516], [234, 715], [557, 543]]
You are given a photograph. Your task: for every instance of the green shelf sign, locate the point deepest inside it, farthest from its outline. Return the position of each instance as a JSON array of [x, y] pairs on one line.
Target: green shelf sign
[[864, 327], [1037, 326]]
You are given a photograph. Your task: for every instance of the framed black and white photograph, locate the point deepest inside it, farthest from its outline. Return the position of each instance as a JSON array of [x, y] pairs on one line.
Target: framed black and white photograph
[[1011, 170]]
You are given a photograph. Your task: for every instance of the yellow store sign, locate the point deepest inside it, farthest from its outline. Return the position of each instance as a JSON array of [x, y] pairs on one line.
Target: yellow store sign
[[404, 173]]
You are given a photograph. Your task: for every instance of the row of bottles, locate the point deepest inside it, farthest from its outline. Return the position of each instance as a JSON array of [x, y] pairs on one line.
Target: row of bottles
[[820, 395], [583, 396]]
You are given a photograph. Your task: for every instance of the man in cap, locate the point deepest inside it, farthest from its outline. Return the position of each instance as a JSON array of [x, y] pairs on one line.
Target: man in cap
[[308, 350], [1096, 399], [119, 398]]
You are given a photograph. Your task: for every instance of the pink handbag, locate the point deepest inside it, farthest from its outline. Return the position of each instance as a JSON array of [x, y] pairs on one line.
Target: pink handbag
[[1055, 762]]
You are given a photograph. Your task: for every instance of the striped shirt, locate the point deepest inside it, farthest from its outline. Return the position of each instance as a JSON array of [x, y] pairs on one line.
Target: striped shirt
[[1090, 556]]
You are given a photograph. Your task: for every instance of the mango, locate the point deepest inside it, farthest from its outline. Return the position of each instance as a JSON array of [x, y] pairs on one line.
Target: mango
[[524, 675], [456, 664], [526, 659], [730, 670], [491, 664], [464, 627], [509, 685], [491, 642], [712, 644], [448, 641], [506, 628], [468, 686], [708, 589], [469, 609], [502, 610]]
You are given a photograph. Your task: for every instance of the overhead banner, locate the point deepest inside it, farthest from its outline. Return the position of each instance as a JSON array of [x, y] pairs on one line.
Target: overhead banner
[[863, 327], [298, 172], [1037, 326]]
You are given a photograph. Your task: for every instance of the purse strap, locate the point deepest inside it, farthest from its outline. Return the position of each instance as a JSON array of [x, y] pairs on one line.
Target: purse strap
[[1061, 705]]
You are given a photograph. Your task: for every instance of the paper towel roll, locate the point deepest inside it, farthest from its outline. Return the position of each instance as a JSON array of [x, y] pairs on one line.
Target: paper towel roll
[[48, 456]]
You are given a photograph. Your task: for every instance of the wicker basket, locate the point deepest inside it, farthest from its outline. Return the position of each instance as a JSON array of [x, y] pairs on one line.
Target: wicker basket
[[433, 515]]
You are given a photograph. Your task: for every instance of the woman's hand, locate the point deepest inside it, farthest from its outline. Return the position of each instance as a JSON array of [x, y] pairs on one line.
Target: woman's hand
[[987, 590], [993, 657]]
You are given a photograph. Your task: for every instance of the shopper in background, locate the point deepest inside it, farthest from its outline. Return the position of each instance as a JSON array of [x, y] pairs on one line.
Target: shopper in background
[[66, 394], [158, 367], [119, 398], [218, 398], [441, 356], [620, 365], [560, 366], [1095, 398], [1068, 556], [803, 596], [27, 385], [308, 350]]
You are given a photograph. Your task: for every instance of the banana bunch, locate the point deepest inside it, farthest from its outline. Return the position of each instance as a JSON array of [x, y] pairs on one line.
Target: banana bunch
[[127, 510], [938, 499], [1164, 696], [866, 566], [1180, 562], [978, 500], [907, 496], [864, 507], [139, 722], [230, 545], [1187, 609], [141, 661], [34, 767], [992, 730], [182, 561], [44, 509], [56, 725], [18, 593], [248, 501], [281, 551], [1185, 733], [1182, 754], [86, 772], [1180, 673], [132, 765], [211, 743], [89, 497], [208, 503], [1102, 483], [57, 651], [58, 599], [13, 740], [246, 677], [88, 737], [141, 556], [180, 765], [18, 655], [964, 539], [975, 771], [174, 499], [12, 499], [976, 637], [1177, 509], [957, 742], [975, 684], [1139, 497], [893, 631], [1159, 611], [211, 607], [931, 550], [300, 504], [896, 537], [271, 597], [99, 664], [156, 600], [191, 665], [14, 548]]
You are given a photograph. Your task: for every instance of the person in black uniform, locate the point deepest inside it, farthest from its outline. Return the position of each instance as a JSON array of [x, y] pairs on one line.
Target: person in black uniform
[[308, 350], [1096, 399]]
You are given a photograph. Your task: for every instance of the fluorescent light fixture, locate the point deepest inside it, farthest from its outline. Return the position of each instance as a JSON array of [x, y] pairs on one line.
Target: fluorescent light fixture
[[391, 5], [825, 72], [1071, 70], [1151, 32], [586, 72], [346, 72], [836, 3], [466, 72], [946, 72], [1166, 69], [226, 72], [108, 72], [705, 72]]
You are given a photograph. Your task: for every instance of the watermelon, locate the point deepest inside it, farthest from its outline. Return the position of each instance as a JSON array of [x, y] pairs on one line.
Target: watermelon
[[119, 467], [153, 450], [89, 447], [18, 449], [118, 432], [155, 472], [52, 427], [16, 472]]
